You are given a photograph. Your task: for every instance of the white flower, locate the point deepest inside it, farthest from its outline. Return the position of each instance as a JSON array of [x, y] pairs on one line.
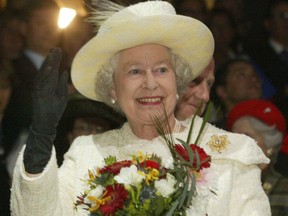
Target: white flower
[[168, 163], [129, 176], [97, 192], [166, 186]]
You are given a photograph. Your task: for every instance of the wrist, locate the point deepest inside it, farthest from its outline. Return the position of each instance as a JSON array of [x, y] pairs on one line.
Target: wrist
[[38, 151], [43, 132]]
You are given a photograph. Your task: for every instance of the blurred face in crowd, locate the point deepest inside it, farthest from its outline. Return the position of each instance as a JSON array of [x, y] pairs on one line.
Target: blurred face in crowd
[[244, 126], [223, 30], [12, 40], [88, 125], [144, 79], [242, 83], [193, 8], [235, 7], [42, 32], [197, 94], [278, 23]]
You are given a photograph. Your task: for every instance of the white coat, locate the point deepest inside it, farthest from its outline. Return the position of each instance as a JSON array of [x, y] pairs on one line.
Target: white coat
[[234, 170]]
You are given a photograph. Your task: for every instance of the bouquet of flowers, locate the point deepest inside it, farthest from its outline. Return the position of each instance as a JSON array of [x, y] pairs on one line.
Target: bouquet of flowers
[[142, 186]]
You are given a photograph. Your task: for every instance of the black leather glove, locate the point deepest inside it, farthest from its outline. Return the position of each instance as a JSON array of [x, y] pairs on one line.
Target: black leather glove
[[49, 102]]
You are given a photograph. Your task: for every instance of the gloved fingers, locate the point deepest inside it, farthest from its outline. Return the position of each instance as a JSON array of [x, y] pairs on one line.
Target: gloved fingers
[[62, 90], [50, 94], [46, 80]]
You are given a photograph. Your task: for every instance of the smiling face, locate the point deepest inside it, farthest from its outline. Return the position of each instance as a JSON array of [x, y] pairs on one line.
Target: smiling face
[[144, 79], [197, 94]]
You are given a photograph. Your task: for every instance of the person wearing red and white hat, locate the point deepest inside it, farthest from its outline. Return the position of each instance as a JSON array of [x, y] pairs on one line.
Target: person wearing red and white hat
[[264, 122]]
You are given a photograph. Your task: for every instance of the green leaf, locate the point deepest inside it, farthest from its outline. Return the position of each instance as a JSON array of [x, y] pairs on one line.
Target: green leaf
[[191, 128], [105, 179], [198, 162], [189, 150], [159, 204], [172, 209], [110, 160], [206, 117], [184, 193], [191, 193]]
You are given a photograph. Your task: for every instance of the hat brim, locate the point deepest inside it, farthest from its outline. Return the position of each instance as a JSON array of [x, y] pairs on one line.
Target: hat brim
[[185, 36]]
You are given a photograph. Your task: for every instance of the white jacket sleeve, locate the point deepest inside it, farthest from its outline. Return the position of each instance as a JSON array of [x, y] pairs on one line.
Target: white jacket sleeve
[[54, 191], [35, 196], [248, 196], [239, 191]]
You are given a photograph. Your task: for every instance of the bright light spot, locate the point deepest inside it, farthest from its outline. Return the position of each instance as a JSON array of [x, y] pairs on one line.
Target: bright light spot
[[65, 17]]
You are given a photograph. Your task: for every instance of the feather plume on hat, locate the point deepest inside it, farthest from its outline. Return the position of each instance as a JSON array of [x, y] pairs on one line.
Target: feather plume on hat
[[105, 9]]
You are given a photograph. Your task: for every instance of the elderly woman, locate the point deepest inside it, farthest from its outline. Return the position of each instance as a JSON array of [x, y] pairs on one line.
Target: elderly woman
[[141, 58], [264, 122]]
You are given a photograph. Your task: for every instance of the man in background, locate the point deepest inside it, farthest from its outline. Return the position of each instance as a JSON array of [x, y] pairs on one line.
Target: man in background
[[235, 81], [197, 94], [40, 34]]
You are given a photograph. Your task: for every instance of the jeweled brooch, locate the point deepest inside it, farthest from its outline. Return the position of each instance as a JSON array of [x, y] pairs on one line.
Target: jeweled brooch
[[218, 143]]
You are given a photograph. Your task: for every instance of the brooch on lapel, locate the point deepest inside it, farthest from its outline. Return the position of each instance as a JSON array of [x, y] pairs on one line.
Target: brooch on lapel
[[218, 143]]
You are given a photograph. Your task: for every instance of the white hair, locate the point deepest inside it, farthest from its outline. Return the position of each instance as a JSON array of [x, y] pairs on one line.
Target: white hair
[[272, 136]]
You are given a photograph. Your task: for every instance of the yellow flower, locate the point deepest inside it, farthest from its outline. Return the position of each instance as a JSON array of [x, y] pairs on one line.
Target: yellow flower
[[91, 175], [152, 175], [98, 201], [138, 159]]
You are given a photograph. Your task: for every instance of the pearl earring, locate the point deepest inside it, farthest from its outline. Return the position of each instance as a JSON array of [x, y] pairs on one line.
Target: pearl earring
[[177, 96], [113, 101]]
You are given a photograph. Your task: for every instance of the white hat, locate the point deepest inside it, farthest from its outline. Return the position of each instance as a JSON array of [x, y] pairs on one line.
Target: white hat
[[143, 23]]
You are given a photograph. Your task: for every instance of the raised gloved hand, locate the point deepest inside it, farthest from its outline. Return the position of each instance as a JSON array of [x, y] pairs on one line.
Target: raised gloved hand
[[49, 102]]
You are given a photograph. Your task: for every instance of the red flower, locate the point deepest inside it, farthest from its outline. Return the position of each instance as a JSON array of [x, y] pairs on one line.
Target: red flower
[[115, 167], [150, 164], [118, 195], [204, 158]]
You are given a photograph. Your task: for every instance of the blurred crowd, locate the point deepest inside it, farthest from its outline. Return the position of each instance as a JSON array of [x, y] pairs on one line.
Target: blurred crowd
[[250, 65]]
